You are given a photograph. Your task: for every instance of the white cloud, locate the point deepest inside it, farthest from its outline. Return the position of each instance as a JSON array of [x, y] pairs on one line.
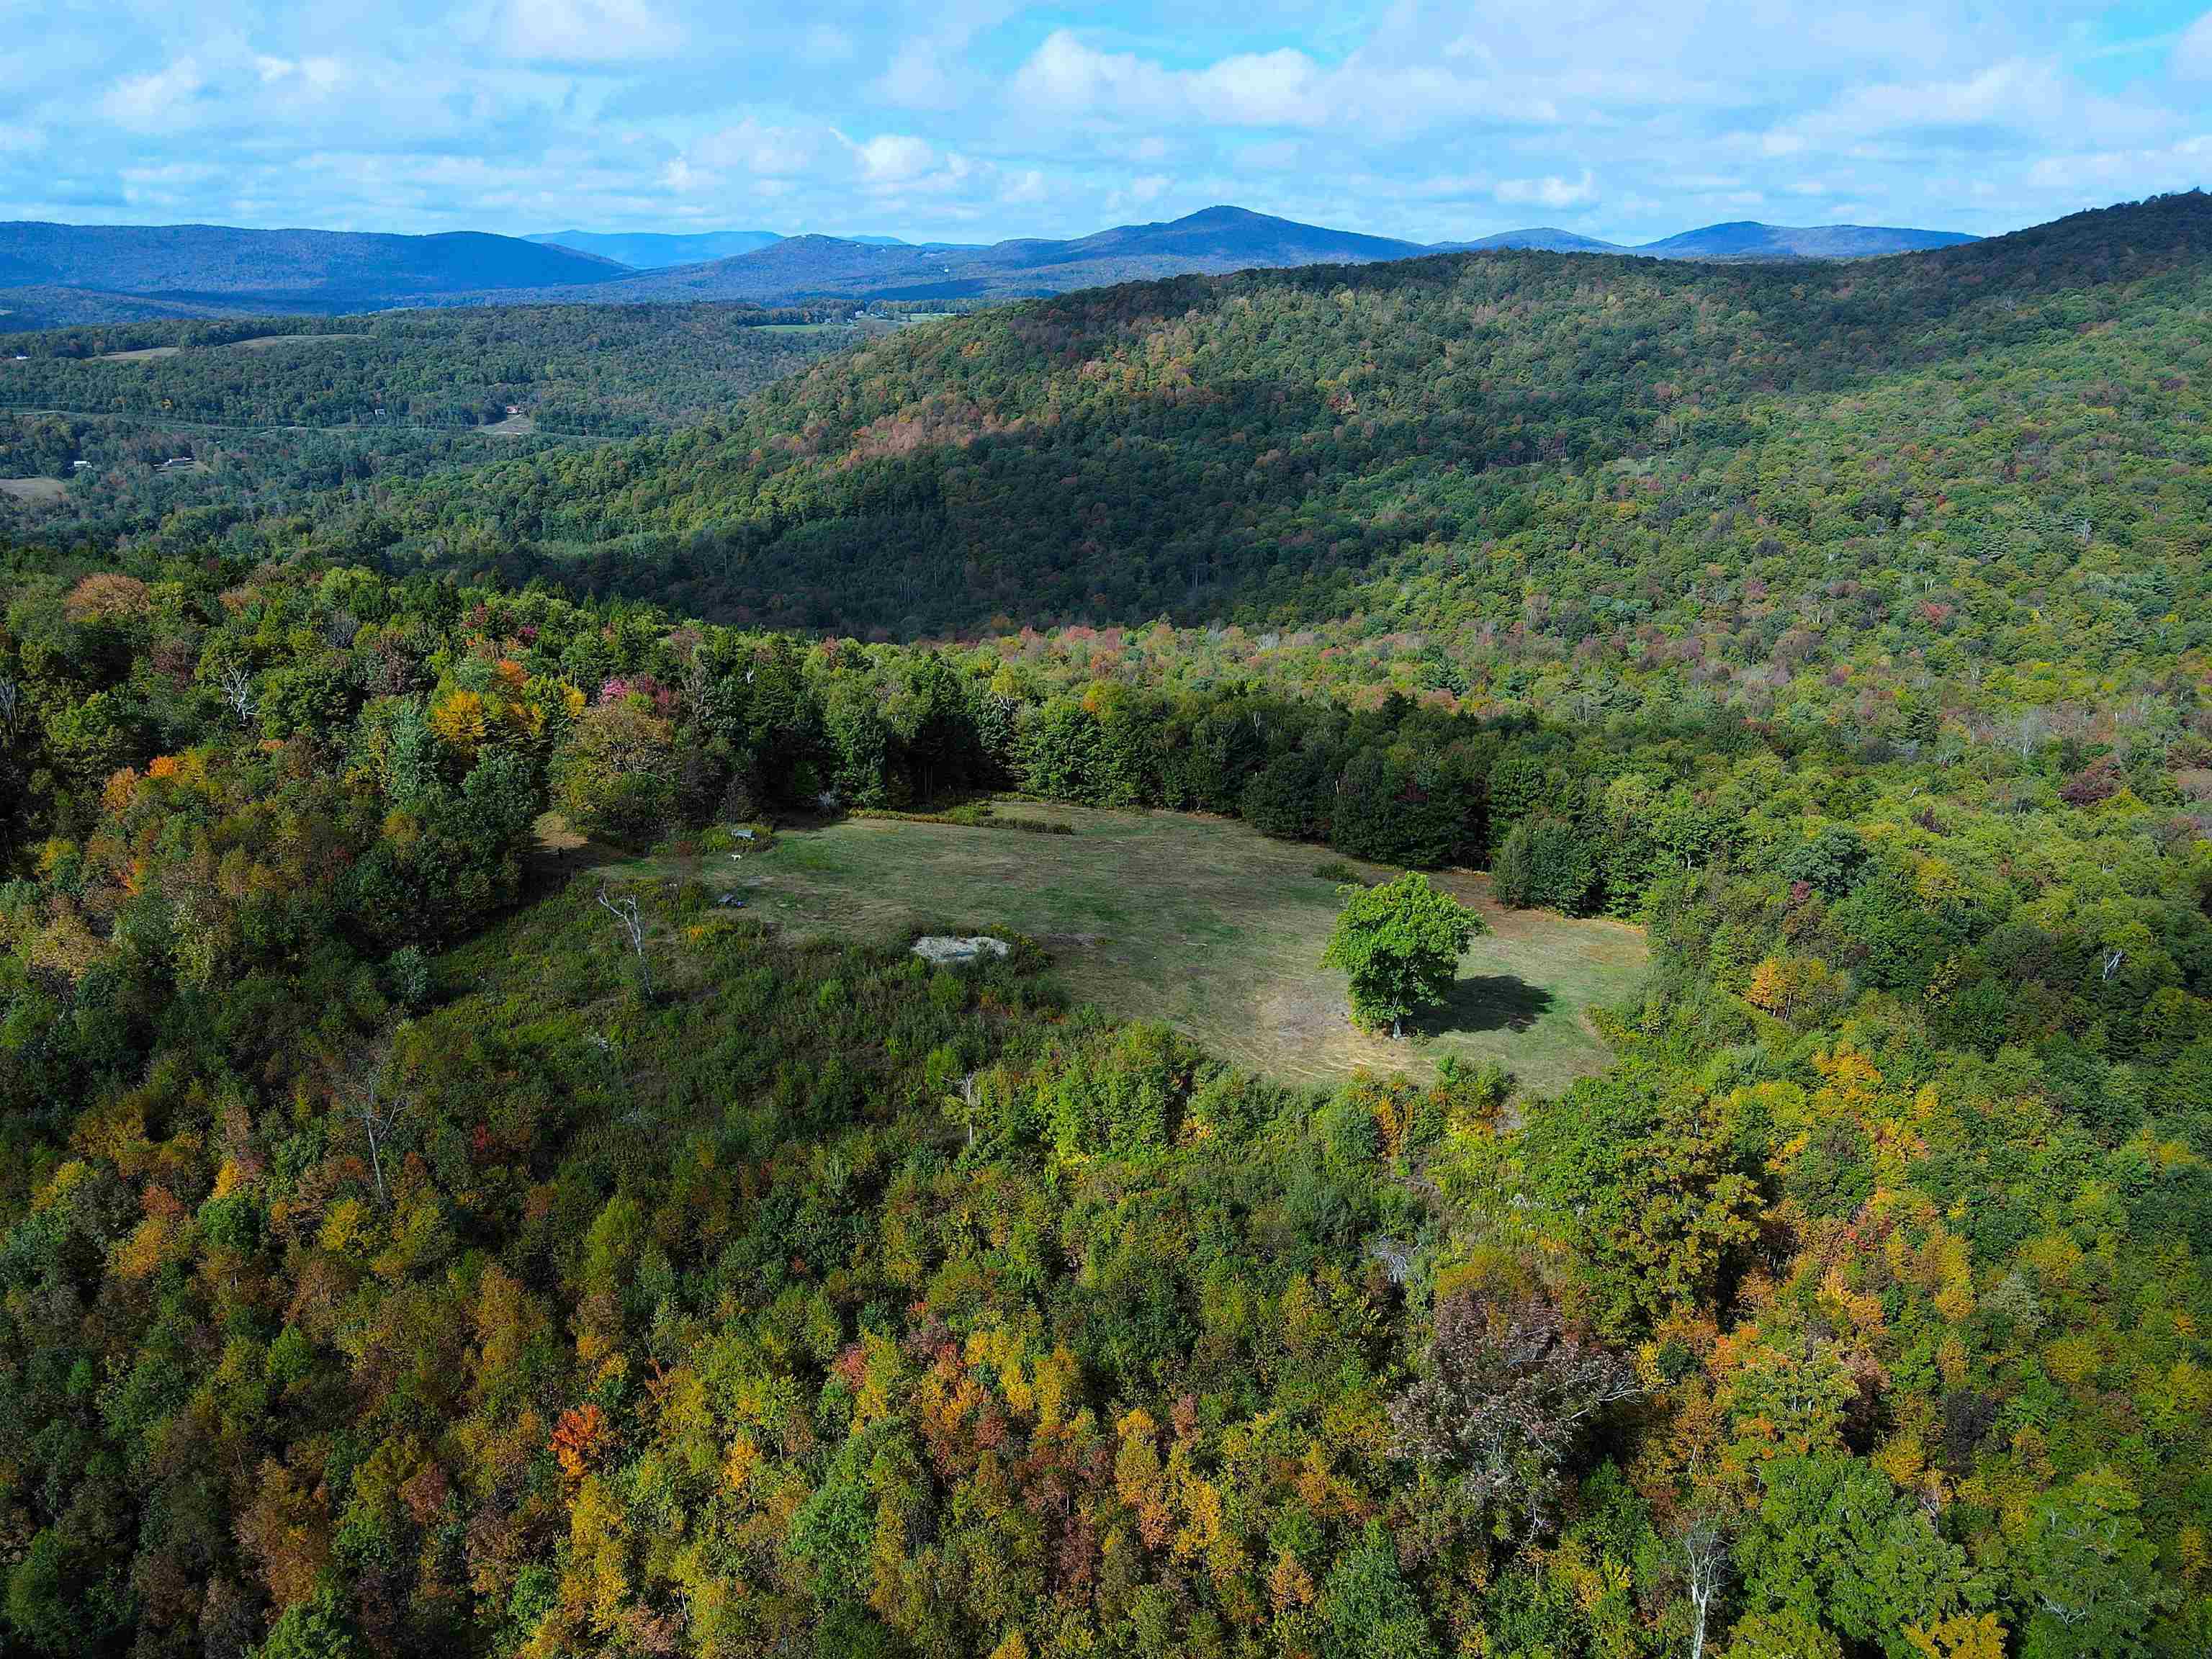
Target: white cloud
[[313, 75], [160, 102], [587, 31], [2116, 174], [1065, 79], [1263, 89], [764, 151], [1549, 192], [895, 159], [2192, 53], [917, 79], [1415, 118]]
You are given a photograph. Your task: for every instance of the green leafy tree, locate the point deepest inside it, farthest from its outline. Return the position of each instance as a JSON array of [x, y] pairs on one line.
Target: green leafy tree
[[1367, 1608], [2088, 1573], [1401, 943], [311, 1630], [1544, 865], [1836, 1545]]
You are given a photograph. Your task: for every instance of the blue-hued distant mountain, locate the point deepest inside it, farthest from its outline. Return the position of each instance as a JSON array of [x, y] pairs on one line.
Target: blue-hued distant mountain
[[816, 269], [1544, 239], [216, 270], [90, 273], [651, 251], [1746, 238], [1740, 239]]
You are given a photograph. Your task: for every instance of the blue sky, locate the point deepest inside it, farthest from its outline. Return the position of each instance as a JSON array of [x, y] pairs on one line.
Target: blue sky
[[972, 119]]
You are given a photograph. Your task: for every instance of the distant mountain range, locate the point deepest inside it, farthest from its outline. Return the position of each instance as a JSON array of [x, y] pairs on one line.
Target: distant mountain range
[[1220, 238], [647, 250], [216, 270], [52, 274], [1740, 239]]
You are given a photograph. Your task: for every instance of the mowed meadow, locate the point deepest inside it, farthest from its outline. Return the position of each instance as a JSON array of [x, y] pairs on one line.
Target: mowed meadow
[[1199, 922]]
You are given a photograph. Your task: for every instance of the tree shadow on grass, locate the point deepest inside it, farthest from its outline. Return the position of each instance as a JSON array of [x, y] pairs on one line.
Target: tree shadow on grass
[[1489, 1002]]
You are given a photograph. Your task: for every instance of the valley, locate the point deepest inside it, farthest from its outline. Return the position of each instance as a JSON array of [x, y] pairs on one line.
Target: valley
[[283, 411]]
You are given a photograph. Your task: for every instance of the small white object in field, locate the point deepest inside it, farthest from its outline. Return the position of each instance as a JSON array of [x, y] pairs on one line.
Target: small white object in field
[[945, 948]]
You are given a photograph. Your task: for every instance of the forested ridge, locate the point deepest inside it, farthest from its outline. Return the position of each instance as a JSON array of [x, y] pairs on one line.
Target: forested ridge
[[1619, 444], [400, 1252]]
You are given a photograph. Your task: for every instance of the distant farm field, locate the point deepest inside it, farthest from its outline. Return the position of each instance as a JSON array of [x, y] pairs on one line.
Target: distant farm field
[[270, 342], [1201, 922]]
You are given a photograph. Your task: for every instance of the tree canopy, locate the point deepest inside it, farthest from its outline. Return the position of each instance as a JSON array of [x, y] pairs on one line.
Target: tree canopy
[[1400, 944]]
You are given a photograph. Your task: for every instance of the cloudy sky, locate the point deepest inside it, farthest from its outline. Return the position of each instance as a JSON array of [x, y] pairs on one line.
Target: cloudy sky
[[972, 119]]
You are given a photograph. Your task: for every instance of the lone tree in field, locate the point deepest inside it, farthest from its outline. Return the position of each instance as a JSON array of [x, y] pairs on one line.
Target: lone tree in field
[[1400, 943]]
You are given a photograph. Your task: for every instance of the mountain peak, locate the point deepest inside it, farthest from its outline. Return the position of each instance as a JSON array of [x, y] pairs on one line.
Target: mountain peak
[[1227, 213]]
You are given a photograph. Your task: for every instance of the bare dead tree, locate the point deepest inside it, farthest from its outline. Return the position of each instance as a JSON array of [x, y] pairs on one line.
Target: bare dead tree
[[961, 1107], [365, 1097], [237, 685], [1705, 1546], [10, 695], [625, 912]]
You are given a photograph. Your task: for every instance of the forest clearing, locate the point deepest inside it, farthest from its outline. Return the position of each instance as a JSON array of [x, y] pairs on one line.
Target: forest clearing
[[1199, 922]]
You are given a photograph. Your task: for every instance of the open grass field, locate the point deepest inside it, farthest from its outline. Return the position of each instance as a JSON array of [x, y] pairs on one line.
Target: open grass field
[[39, 492], [270, 342], [1199, 921]]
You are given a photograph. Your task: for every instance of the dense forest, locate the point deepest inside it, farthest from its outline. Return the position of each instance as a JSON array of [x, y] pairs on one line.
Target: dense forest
[[611, 369], [1510, 444], [274, 413], [411, 1241]]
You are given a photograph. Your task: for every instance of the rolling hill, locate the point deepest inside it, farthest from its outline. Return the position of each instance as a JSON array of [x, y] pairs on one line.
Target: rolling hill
[[1742, 238], [1214, 240], [218, 269], [116, 273], [1278, 446], [813, 268], [1547, 238], [1748, 239], [649, 250]]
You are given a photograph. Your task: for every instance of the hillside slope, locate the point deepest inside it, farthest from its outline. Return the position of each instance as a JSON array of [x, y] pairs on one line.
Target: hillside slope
[[1438, 440], [228, 269]]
